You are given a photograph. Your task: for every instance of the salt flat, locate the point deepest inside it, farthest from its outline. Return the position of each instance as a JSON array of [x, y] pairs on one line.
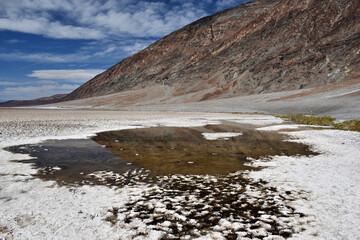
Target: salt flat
[[317, 195], [340, 102]]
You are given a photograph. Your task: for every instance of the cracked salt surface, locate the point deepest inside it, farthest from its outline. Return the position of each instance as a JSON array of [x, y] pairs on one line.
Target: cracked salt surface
[[36, 209]]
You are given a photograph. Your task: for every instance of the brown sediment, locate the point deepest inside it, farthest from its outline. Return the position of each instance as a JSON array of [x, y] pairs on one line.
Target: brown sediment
[[178, 150]]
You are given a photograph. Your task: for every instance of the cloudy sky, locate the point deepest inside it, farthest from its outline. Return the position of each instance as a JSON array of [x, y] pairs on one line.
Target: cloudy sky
[[53, 46]]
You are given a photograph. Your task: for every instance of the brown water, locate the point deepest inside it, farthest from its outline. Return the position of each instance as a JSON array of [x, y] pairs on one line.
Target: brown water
[[155, 151], [178, 150]]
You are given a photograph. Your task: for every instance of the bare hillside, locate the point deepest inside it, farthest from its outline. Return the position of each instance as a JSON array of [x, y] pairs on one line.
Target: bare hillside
[[260, 47]]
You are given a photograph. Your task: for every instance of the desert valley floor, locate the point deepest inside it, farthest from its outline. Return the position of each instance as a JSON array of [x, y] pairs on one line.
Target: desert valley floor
[[310, 193]]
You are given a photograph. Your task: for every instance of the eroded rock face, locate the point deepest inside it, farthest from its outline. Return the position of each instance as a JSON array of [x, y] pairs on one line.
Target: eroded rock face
[[259, 47]]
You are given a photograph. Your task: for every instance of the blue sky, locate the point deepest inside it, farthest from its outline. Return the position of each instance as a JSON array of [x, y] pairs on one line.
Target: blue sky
[[53, 46]]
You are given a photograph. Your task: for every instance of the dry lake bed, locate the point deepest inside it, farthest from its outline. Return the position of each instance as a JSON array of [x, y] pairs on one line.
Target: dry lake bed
[[94, 174]]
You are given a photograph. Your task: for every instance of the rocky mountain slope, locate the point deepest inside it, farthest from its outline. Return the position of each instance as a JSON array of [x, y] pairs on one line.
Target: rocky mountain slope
[[259, 47]]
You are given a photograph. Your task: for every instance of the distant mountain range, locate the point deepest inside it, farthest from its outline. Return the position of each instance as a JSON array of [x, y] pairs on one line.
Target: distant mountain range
[[39, 101]]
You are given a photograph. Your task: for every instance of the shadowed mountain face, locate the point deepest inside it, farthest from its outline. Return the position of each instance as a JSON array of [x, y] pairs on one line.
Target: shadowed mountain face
[[259, 47]]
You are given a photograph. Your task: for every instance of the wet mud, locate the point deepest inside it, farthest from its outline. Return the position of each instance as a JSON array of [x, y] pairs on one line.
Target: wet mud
[[165, 150]]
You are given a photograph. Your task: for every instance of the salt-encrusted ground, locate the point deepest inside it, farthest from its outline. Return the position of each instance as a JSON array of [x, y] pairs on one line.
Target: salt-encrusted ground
[[323, 187], [331, 180]]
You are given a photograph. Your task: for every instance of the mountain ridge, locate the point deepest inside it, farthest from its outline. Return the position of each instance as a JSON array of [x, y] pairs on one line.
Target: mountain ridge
[[258, 47], [39, 101]]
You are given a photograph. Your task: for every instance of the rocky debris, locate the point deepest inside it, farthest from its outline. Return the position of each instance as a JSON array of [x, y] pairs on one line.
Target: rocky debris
[[258, 47]]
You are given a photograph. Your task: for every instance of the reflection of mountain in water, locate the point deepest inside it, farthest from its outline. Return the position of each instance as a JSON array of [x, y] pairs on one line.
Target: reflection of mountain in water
[[175, 150], [148, 152]]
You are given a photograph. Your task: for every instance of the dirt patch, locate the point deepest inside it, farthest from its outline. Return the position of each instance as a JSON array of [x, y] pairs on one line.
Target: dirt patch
[[4, 229]]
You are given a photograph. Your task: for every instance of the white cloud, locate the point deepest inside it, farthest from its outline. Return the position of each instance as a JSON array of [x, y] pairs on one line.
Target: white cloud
[[44, 57], [6, 83], [111, 48], [69, 75], [14, 41], [98, 19], [43, 27], [136, 47], [98, 51], [33, 92], [46, 82], [118, 27]]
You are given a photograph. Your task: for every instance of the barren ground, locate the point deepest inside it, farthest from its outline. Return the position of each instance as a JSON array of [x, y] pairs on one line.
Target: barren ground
[[312, 197], [339, 100]]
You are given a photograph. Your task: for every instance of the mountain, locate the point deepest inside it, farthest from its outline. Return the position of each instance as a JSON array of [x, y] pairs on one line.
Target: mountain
[[259, 47], [39, 101]]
